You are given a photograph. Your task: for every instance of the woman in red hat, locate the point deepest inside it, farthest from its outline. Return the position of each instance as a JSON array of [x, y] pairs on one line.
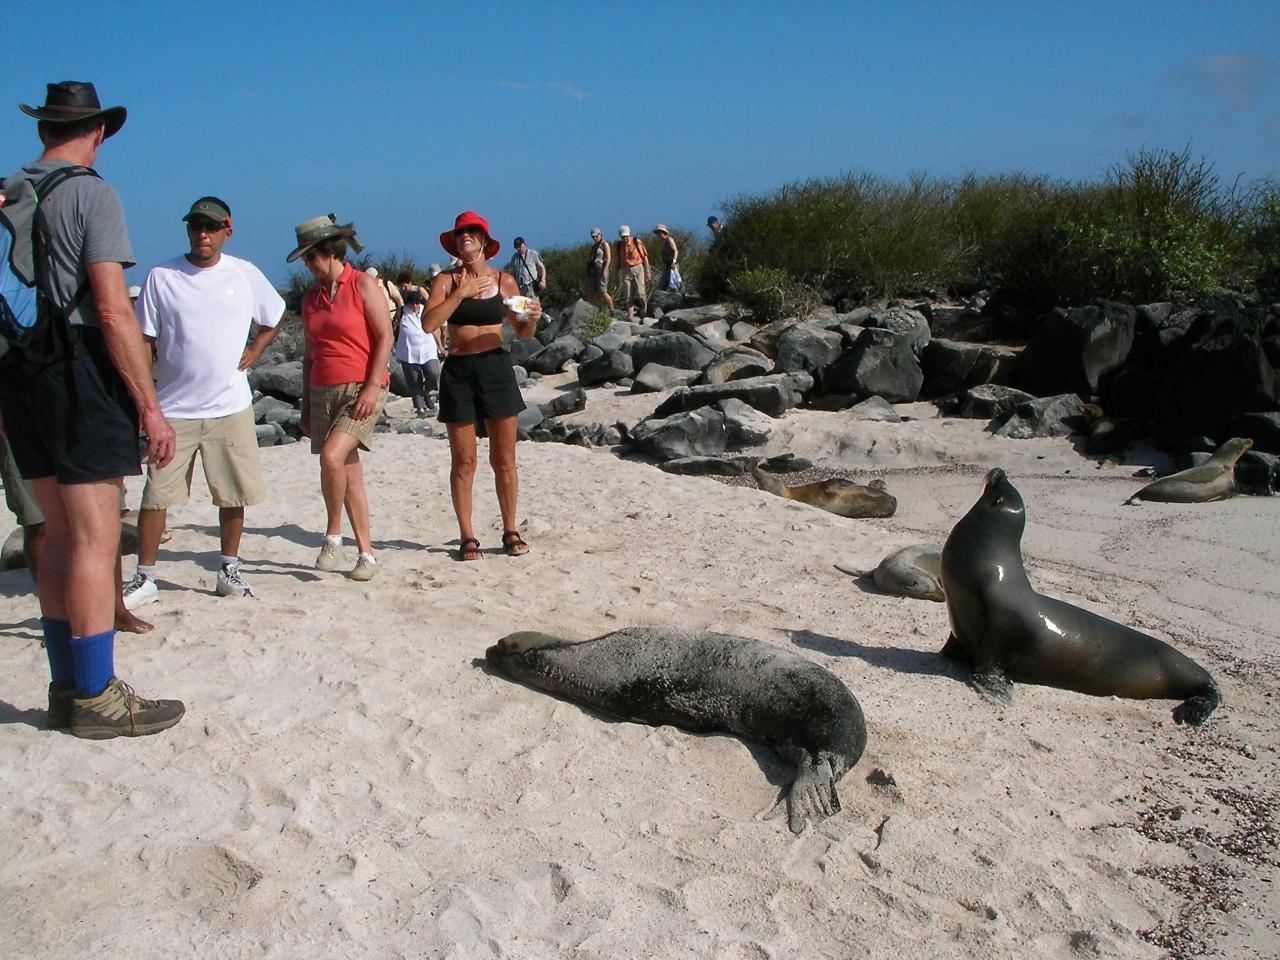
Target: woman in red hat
[[477, 384]]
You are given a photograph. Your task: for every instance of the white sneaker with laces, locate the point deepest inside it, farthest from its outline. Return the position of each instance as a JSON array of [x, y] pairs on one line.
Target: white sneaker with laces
[[230, 583], [328, 557], [140, 590], [365, 567]]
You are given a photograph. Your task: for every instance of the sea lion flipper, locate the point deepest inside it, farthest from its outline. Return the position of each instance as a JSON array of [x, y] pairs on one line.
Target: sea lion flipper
[[1195, 710], [989, 680], [812, 796]]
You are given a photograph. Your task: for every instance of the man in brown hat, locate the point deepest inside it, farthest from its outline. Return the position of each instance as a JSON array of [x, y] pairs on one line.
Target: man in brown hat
[[72, 421]]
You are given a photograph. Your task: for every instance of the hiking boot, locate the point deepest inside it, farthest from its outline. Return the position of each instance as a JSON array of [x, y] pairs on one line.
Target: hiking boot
[[328, 558], [140, 590], [59, 707], [230, 583], [365, 567], [119, 712]]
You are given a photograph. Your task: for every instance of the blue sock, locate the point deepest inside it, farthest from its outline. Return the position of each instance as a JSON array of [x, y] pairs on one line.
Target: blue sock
[[57, 646], [94, 663]]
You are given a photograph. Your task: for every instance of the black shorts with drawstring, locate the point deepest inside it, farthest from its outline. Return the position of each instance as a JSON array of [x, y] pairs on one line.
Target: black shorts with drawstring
[[475, 387]]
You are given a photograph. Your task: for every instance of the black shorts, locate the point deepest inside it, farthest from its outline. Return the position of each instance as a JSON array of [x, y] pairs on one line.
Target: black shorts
[[73, 420], [478, 387]]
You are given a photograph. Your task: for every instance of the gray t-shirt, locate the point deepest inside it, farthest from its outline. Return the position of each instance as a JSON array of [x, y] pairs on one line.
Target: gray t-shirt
[[524, 267], [86, 223]]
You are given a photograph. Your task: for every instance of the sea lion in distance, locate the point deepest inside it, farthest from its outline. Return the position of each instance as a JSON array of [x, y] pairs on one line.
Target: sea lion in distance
[[705, 683], [835, 495], [1214, 480], [1011, 633]]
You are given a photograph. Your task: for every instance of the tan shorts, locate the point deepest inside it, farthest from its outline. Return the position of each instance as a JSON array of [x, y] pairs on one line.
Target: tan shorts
[[18, 494], [228, 448], [331, 410]]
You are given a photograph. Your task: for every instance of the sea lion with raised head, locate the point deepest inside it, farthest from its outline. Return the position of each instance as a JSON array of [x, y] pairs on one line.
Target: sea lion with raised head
[[1213, 480], [835, 495], [707, 683], [1011, 633]]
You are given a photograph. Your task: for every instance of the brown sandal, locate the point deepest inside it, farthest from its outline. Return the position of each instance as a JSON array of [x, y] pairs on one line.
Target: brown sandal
[[471, 552], [513, 545]]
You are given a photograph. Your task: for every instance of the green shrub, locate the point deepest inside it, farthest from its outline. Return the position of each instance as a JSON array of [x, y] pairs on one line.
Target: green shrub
[[1262, 238], [597, 325], [770, 294], [1160, 223], [566, 274]]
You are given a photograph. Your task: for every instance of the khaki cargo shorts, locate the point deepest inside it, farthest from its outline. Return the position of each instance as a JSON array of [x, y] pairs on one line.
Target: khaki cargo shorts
[[18, 495], [228, 448], [331, 410]]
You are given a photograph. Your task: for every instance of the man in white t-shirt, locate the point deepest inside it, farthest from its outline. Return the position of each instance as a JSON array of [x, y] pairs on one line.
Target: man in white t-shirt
[[197, 311]]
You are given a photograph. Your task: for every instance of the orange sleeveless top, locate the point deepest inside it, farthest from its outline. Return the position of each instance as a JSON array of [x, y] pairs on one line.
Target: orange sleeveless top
[[337, 334]]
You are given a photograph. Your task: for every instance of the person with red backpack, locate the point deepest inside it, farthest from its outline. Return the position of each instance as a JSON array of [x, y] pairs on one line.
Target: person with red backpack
[[634, 273], [72, 399]]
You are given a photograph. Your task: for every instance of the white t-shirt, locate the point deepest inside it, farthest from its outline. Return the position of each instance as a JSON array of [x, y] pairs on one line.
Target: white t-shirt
[[414, 346], [200, 320]]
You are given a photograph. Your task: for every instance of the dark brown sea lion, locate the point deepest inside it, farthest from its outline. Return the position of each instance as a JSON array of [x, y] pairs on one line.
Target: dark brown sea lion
[[1011, 633], [708, 682]]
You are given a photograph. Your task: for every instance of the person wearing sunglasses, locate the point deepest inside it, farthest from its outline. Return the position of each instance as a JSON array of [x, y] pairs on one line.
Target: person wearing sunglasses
[[478, 391], [197, 311]]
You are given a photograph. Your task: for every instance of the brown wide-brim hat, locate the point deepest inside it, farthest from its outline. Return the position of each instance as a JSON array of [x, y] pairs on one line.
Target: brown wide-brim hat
[[469, 218], [310, 232], [72, 100]]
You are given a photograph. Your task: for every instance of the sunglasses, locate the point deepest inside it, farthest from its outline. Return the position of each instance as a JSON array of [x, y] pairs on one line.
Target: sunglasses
[[478, 231], [204, 226]]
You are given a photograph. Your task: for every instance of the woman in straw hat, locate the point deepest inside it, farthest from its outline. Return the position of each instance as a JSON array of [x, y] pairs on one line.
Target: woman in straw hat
[[477, 384], [348, 343]]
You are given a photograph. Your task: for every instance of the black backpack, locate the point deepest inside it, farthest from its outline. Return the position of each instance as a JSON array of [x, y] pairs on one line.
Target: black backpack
[[33, 326]]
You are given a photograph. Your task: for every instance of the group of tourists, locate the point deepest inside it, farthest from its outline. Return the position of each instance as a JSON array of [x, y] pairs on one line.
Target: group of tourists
[[172, 370], [634, 272]]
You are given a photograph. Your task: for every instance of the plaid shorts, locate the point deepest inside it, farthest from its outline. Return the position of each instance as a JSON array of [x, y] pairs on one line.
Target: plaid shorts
[[331, 410]]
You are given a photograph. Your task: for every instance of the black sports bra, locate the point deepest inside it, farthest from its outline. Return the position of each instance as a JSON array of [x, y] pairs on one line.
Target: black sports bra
[[480, 313]]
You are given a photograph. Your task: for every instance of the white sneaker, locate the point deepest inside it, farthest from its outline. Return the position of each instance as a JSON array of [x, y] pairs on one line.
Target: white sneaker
[[328, 557], [230, 583], [365, 567], [140, 590]]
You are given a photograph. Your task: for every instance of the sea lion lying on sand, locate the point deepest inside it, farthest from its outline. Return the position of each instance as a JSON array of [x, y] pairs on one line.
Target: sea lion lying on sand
[[913, 571], [835, 495], [1214, 480], [708, 683], [1011, 633]]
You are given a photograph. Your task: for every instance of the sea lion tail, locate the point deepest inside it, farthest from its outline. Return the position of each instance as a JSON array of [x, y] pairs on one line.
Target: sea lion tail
[[1195, 710]]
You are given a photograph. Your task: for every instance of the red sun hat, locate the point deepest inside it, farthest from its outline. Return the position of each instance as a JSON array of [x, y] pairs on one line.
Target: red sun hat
[[469, 218]]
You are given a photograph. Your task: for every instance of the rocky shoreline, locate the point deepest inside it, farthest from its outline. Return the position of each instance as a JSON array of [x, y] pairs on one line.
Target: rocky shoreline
[[1180, 379]]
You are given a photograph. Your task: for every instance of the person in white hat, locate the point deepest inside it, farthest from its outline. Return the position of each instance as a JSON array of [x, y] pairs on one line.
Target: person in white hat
[[634, 273]]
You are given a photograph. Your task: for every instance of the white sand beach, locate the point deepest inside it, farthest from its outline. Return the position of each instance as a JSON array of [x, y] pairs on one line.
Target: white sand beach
[[350, 780]]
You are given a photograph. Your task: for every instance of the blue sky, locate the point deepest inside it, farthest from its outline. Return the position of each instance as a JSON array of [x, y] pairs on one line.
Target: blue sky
[[552, 117]]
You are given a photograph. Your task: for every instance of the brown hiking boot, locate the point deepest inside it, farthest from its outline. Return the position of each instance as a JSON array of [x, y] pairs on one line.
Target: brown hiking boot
[[59, 707], [119, 712]]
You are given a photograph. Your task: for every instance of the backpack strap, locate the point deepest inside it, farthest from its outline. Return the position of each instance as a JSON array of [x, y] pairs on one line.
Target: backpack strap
[[42, 253]]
